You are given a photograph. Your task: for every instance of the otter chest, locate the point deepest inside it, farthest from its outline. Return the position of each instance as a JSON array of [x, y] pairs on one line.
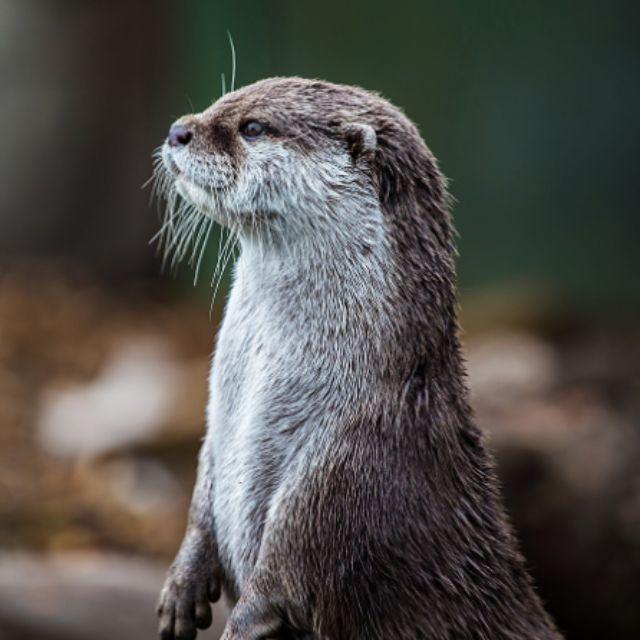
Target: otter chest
[[249, 372]]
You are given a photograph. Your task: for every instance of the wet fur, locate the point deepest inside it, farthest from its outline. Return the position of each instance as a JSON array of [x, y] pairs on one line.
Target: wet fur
[[343, 489]]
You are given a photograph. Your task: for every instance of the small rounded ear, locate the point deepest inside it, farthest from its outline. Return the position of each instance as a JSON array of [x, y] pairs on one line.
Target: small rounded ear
[[362, 140]]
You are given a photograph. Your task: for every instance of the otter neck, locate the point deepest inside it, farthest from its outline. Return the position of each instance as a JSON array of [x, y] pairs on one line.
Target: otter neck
[[336, 274], [332, 292], [344, 289], [339, 253]]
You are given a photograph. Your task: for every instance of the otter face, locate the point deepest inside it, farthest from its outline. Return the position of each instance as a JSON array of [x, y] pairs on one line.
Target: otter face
[[280, 153], [227, 165]]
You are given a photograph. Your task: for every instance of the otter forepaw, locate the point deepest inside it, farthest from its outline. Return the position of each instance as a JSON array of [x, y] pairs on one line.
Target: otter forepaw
[[184, 603]]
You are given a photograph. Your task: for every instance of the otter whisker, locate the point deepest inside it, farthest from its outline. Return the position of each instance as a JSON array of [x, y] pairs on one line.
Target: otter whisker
[[184, 229], [161, 233], [233, 62], [234, 237], [202, 249], [187, 235], [191, 218], [148, 181], [201, 229], [157, 178], [178, 220], [222, 256]]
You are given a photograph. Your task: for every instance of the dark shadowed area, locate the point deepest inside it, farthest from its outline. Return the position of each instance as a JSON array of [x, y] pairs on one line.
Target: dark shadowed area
[[532, 112]]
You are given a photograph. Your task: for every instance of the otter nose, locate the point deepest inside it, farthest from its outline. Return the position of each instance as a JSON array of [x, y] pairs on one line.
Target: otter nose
[[179, 135]]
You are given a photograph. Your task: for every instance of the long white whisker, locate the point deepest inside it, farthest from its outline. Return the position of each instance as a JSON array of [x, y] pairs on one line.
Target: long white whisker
[[185, 231], [204, 246], [233, 62], [234, 236], [192, 218], [221, 263], [201, 229]]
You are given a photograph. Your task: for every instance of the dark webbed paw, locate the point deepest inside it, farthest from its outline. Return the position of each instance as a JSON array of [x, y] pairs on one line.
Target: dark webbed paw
[[185, 605], [192, 584]]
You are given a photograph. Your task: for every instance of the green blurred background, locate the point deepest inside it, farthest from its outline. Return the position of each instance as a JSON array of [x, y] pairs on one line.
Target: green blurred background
[[532, 110], [530, 107]]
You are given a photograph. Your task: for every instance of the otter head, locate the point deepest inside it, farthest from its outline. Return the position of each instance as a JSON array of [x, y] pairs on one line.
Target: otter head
[[283, 152], [297, 155]]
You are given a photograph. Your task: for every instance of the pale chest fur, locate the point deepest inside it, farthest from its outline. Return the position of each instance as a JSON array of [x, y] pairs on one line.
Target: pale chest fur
[[247, 460]]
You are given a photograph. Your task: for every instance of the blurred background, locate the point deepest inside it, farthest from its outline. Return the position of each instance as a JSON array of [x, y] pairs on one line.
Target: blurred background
[[532, 109]]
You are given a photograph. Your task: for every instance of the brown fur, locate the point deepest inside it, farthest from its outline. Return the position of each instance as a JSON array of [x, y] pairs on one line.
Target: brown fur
[[401, 533]]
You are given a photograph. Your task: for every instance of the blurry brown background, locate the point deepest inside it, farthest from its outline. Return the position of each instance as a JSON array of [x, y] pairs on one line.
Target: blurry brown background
[[532, 111]]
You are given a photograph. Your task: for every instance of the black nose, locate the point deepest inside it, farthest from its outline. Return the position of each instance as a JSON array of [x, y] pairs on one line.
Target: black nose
[[179, 135]]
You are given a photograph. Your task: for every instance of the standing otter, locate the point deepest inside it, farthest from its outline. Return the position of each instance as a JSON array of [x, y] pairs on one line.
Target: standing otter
[[343, 490]]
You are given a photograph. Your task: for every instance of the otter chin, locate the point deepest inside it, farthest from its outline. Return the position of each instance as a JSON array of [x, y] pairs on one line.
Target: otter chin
[[343, 490], [205, 201]]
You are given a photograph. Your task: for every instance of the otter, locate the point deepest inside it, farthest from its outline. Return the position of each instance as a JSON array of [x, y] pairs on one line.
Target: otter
[[343, 488]]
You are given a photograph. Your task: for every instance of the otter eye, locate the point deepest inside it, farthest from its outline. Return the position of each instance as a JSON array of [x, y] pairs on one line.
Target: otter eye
[[252, 129]]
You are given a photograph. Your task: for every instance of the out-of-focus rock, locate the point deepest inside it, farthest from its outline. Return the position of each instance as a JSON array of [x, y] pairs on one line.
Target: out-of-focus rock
[[185, 423], [144, 486], [124, 375], [510, 364], [523, 402], [76, 596], [562, 418], [127, 404]]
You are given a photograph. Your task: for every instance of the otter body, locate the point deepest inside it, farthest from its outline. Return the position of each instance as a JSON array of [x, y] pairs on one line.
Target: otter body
[[343, 490], [262, 435]]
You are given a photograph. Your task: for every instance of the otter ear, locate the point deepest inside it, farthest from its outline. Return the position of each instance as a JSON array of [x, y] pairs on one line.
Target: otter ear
[[362, 140]]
